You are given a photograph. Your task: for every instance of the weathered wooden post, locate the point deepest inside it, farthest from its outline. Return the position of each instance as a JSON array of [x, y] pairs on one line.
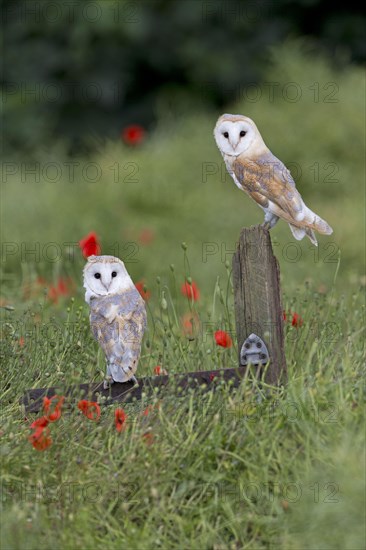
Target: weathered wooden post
[[258, 310]]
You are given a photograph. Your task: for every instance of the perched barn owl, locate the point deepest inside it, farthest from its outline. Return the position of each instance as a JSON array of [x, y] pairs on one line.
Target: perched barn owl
[[264, 177], [117, 315]]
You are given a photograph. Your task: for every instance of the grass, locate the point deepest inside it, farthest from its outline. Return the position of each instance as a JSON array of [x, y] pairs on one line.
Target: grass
[[259, 468]]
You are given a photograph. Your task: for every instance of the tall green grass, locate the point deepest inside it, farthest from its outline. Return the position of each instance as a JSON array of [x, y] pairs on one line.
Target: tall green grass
[[259, 468]]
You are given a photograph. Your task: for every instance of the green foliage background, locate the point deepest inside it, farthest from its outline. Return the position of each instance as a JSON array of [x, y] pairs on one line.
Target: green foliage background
[[81, 68], [262, 468]]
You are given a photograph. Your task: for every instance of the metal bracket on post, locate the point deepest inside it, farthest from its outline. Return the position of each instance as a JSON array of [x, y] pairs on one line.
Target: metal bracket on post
[[254, 352]]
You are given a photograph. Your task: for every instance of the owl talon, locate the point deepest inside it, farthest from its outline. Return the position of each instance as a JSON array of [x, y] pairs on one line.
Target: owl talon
[[270, 221], [108, 381]]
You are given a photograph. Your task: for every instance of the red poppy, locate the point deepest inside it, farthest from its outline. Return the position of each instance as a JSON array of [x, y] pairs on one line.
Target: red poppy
[[120, 418], [39, 425], [146, 236], [54, 403], [151, 408], [21, 341], [41, 440], [62, 288], [158, 370], [147, 410], [284, 316], [190, 323], [141, 287], [148, 437], [91, 409], [191, 291], [53, 294], [90, 245], [223, 339], [212, 376], [133, 135], [296, 320]]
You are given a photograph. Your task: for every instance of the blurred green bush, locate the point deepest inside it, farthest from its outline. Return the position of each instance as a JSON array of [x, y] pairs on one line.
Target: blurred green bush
[[76, 69]]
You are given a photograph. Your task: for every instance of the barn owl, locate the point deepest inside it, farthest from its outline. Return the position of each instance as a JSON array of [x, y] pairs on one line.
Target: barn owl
[[117, 316], [264, 177]]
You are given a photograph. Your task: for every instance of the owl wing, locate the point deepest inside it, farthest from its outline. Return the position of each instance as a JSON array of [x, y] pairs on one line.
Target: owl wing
[[131, 328], [267, 180], [118, 324]]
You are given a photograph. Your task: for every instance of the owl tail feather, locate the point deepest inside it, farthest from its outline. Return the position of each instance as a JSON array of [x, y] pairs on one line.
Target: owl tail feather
[[299, 233], [310, 222], [310, 233], [315, 222], [120, 374]]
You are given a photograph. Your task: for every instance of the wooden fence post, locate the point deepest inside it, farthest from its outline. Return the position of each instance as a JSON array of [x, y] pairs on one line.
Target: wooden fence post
[[258, 309]]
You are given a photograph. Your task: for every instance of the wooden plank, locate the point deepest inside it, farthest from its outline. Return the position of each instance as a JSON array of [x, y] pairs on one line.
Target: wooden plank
[[257, 296], [127, 392]]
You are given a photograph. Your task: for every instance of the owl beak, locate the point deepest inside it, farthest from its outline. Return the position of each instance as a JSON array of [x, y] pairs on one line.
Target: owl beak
[[105, 286]]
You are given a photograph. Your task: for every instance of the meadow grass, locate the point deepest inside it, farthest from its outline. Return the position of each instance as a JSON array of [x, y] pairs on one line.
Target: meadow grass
[[260, 467]]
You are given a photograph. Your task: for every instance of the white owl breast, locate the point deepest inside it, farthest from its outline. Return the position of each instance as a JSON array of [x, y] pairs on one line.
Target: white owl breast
[[232, 174]]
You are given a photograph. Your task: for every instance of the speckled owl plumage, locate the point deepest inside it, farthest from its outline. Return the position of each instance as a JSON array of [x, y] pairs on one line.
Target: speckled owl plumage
[[118, 323], [117, 315]]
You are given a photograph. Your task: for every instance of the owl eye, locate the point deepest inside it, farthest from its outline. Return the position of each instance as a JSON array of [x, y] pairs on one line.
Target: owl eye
[[242, 133], [97, 275], [114, 273], [226, 134]]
